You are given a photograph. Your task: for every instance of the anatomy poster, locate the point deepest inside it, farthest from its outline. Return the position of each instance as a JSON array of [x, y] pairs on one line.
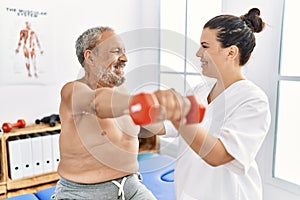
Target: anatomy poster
[[27, 45]]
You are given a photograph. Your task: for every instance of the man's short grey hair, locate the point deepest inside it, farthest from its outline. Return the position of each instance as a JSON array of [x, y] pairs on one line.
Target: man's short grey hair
[[88, 40]]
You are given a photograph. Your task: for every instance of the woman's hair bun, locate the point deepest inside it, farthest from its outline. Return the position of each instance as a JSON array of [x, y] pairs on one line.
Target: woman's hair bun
[[253, 20]]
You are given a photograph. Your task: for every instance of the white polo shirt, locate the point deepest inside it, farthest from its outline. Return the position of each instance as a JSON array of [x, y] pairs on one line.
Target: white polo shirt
[[240, 118]]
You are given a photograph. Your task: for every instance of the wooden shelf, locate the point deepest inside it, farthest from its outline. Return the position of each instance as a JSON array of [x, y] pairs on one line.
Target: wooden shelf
[[147, 141], [2, 163], [3, 166], [9, 187], [2, 188], [27, 190], [31, 181]]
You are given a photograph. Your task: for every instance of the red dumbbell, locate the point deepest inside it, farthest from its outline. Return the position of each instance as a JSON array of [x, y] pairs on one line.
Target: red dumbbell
[[144, 109], [6, 127]]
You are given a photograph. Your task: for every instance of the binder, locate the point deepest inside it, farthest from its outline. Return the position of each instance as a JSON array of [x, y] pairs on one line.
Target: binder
[[14, 158], [55, 150], [47, 152], [26, 155], [37, 154]]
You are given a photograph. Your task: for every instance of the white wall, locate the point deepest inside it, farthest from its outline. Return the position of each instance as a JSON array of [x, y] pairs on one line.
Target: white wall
[[69, 19]]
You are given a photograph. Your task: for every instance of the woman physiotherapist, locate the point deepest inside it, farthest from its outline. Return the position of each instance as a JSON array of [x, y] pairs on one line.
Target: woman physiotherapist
[[216, 158]]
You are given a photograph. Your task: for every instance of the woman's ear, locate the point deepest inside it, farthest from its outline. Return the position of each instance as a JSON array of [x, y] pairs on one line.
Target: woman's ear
[[233, 52]]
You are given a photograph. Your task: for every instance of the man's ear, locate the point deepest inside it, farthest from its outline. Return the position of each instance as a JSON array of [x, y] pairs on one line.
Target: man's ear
[[88, 57], [233, 52]]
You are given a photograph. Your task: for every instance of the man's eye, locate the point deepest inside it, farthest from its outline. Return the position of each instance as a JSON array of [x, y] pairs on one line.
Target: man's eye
[[118, 51], [115, 51]]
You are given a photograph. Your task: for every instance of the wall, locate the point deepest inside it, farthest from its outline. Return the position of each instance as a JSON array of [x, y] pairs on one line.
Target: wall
[[32, 100]]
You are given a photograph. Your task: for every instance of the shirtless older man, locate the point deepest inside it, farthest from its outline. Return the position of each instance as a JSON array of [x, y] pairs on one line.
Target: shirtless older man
[[98, 152], [98, 140]]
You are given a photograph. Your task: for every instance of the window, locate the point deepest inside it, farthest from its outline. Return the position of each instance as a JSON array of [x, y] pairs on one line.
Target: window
[[181, 24], [181, 27], [287, 160]]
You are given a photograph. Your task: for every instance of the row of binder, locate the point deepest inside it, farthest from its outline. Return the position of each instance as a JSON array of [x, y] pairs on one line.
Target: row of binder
[[33, 154]]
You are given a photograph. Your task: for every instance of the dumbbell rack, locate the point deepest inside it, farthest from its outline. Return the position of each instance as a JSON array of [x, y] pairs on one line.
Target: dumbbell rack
[[9, 187]]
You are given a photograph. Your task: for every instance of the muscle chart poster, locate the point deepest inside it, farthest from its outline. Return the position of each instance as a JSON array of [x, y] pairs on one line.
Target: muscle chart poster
[[27, 44]]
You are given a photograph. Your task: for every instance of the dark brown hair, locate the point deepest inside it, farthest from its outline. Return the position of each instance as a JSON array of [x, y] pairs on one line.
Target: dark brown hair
[[239, 31]]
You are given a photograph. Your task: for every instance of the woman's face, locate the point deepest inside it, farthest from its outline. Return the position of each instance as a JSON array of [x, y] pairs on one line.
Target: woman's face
[[211, 54]]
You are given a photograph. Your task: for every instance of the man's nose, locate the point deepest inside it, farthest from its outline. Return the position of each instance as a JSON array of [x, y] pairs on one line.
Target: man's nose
[[123, 58]]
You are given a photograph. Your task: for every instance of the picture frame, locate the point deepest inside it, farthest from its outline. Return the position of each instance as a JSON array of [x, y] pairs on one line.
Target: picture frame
[[27, 52]]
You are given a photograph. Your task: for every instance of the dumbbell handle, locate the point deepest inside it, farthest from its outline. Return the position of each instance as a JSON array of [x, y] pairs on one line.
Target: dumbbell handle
[[144, 109], [6, 127]]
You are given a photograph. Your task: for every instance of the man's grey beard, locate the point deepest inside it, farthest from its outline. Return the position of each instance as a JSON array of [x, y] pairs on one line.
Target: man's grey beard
[[111, 78]]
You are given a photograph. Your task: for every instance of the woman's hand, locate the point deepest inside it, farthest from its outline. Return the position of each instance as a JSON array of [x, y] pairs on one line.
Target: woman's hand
[[174, 106]]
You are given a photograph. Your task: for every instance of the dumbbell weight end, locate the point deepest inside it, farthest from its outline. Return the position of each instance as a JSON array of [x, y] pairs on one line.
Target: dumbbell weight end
[[196, 113], [144, 108]]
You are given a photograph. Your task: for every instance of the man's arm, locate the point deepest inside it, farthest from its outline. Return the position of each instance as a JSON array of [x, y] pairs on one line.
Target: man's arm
[[104, 102]]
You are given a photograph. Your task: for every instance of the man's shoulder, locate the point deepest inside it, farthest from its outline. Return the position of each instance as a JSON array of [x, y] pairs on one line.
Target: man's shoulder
[[73, 84], [67, 85], [75, 87], [68, 88]]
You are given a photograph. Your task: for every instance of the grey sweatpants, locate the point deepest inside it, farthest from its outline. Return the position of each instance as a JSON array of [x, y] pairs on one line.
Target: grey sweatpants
[[128, 187]]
